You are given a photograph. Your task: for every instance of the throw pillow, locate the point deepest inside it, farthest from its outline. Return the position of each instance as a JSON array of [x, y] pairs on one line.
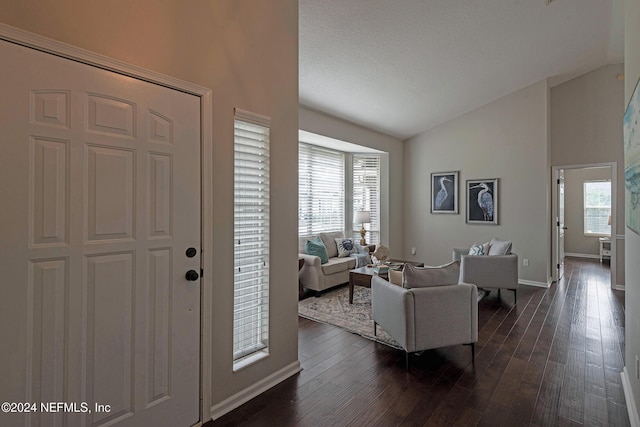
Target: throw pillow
[[346, 247], [479, 249], [363, 251], [422, 277], [316, 247], [395, 277], [500, 247]]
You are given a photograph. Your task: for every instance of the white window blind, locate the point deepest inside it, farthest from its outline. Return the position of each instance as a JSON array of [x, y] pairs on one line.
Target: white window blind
[[366, 194], [597, 208], [251, 233], [320, 190]]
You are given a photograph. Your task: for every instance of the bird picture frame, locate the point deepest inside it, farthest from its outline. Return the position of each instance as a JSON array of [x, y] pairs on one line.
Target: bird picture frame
[[444, 192], [482, 201]]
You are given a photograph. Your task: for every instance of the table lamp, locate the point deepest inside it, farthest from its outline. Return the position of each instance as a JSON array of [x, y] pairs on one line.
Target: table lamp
[[362, 217]]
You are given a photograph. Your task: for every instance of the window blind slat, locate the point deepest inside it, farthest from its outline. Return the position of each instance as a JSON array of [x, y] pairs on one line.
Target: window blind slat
[[597, 207], [366, 194], [320, 190], [251, 237]]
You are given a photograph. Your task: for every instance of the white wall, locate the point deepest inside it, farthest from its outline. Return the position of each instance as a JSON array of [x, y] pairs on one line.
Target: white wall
[[632, 240], [391, 190], [506, 139], [247, 52], [586, 128], [575, 242]]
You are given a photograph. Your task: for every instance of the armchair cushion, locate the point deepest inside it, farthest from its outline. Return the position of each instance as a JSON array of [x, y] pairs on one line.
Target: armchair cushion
[[499, 247], [316, 247], [422, 277]]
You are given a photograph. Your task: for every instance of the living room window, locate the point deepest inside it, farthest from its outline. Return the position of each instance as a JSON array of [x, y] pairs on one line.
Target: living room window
[[251, 238], [597, 208], [321, 194], [366, 194]]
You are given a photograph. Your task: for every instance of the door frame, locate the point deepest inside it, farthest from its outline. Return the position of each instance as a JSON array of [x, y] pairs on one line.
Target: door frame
[[554, 214], [67, 51]]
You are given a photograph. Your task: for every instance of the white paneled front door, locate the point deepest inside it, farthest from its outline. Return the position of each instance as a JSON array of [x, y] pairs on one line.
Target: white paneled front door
[[100, 190]]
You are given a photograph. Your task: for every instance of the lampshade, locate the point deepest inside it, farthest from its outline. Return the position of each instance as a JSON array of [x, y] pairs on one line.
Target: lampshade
[[361, 217]]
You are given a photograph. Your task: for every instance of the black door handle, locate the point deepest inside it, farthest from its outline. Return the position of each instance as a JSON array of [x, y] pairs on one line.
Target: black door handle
[[192, 275]]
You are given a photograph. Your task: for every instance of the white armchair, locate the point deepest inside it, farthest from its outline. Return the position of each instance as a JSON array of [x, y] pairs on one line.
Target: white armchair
[[489, 271], [422, 318]]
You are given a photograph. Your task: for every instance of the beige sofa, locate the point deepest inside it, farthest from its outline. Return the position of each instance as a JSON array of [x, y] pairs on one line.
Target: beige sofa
[[318, 277]]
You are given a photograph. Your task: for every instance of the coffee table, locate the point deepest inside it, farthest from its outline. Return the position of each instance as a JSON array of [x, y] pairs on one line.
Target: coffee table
[[362, 276]]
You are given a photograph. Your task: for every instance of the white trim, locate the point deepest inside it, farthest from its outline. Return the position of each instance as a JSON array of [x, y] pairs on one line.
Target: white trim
[[254, 390], [64, 50], [614, 208], [534, 283], [251, 117], [632, 410], [206, 293], [576, 255]]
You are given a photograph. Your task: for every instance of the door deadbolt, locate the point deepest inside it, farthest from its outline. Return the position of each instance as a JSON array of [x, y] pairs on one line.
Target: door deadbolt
[[191, 252]]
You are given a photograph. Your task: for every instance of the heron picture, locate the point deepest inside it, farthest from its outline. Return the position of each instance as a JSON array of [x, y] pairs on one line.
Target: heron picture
[[444, 192], [482, 201]]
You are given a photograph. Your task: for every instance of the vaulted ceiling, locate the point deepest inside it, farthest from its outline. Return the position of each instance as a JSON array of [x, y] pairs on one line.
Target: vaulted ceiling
[[404, 66]]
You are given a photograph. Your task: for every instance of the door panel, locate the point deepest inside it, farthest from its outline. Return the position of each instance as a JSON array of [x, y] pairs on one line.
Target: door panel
[[100, 176]]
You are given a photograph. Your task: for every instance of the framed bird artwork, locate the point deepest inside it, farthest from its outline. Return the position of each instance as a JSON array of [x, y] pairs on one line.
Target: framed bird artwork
[[444, 192], [482, 201]]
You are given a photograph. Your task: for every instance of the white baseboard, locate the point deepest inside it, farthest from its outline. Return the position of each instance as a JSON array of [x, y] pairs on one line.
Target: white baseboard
[[628, 397], [254, 390], [533, 283], [574, 255]]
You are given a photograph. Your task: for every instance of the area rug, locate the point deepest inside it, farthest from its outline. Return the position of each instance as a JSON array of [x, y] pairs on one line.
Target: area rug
[[333, 308]]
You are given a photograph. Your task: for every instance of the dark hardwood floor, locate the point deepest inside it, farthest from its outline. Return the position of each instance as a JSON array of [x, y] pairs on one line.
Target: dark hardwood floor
[[553, 359]]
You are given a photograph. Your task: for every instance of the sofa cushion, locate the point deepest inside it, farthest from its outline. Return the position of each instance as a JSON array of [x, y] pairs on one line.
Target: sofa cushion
[[329, 240], [316, 247], [499, 247], [336, 265], [423, 277], [345, 247]]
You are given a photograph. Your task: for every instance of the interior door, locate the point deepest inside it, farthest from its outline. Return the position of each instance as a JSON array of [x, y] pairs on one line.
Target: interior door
[[560, 224], [100, 187]]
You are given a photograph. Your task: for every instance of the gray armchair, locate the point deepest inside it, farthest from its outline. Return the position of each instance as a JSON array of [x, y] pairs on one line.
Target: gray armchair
[[426, 317], [489, 271]]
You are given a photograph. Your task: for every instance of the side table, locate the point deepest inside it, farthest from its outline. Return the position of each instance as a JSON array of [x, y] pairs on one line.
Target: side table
[[605, 248], [362, 276]]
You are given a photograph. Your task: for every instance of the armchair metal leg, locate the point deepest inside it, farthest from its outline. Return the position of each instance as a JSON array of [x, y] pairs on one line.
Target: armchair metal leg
[[375, 328], [515, 296], [473, 351], [406, 360]]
